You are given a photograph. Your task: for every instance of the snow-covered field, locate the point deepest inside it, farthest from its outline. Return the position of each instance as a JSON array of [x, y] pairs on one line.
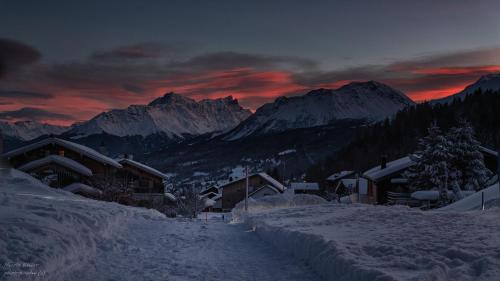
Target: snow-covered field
[[364, 242], [49, 234]]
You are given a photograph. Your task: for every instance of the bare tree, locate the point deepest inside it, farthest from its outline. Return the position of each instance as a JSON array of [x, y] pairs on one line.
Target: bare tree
[[189, 202]]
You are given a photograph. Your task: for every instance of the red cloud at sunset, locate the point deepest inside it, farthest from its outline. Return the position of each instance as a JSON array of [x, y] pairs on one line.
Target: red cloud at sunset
[[73, 91]]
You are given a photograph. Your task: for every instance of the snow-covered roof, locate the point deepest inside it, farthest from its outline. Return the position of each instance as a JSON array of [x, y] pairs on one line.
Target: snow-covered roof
[[82, 188], [488, 151], [349, 183], [170, 196], [217, 197], [209, 195], [395, 166], [208, 188], [339, 175], [84, 150], [265, 176], [304, 185], [272, 181], [60, 160], [143, 167], [263, 187]]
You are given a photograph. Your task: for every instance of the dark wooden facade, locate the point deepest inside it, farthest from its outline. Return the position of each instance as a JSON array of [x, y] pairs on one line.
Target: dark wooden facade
[[235, 192], [141, 181], [98, 168], [65, 176]]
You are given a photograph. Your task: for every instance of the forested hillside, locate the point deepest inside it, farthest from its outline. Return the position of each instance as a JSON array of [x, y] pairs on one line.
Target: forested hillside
[[399, 136]]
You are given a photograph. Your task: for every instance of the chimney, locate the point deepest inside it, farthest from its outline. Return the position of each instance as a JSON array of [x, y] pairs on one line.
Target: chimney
[[130, 156], [383, 162], [102, 148]]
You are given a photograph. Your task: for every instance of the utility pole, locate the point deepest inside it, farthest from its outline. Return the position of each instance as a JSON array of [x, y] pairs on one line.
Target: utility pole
[[195, 201], [284, 171], [357, 188], [246, 189]]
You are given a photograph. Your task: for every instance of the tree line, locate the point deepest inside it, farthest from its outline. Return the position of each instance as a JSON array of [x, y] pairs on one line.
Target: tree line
[[399, 135]]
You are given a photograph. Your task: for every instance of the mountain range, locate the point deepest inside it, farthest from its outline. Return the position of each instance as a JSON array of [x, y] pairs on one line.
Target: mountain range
[[369, 101], [182, 136], [174, 115], [28, 130], [486, 82]]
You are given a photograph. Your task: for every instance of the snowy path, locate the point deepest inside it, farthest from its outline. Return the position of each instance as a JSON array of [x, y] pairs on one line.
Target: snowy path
[[192, 250]]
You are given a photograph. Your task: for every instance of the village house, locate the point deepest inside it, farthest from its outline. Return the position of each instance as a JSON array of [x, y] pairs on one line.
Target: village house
[[388, 176], [387, 184], [334, 179], [77, 168], [148, 184], [305, 188], [259, 185], [60, 162]]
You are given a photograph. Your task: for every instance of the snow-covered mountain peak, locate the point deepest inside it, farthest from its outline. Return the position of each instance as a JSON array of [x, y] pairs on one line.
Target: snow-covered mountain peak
[[489, 77], [485, 82], [171, 98], [28, 130], [173, 114], [370, 101]]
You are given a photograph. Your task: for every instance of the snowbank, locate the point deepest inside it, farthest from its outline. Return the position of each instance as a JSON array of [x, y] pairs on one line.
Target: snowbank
[[474, 201], [364, 242], [284, 200], [54, 232]]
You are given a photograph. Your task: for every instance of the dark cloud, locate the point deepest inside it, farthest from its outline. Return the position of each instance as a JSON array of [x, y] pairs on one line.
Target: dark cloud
[[30, 113], [23, 94], [228, 60], [14, 54], [143, 51], [133, 88], [483, 56]]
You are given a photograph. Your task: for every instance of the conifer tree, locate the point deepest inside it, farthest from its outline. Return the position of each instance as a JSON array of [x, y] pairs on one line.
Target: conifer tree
[[466, 159], [432, 168]]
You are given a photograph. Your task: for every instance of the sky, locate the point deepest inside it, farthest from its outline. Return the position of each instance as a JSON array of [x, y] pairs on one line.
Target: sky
[[67, 61]]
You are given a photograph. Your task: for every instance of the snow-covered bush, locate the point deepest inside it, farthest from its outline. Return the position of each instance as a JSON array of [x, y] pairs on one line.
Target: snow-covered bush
[[284, 200]]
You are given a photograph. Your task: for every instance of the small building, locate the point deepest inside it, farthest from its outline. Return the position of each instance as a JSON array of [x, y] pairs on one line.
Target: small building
[[147, 183], [305, 188], [490, 157], [334, 179], [60, 162], [259, 185], [210, 192], [387, 177]]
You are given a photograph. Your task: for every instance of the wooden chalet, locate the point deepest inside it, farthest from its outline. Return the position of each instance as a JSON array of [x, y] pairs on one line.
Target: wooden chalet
[[210, 192], [147, 183], [60, 162], [259, 185], [305, 188], [386, 183], [334, 179], [491, 159], [387, 177]]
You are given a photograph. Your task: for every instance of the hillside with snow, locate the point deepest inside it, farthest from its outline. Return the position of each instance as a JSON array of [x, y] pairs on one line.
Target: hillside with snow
[[28, 130], [486, 82], [369, 101], [50, 234], [173, 114]]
